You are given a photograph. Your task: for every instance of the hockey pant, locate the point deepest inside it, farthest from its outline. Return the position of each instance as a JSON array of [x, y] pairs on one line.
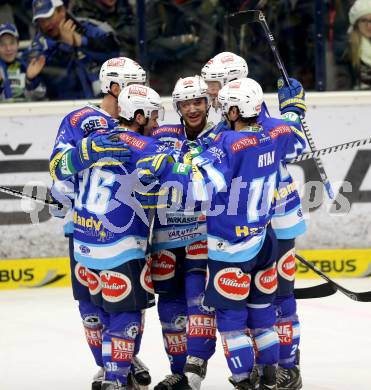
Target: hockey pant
[[188, 326], [243, 295], [95, 319], [287, 325]]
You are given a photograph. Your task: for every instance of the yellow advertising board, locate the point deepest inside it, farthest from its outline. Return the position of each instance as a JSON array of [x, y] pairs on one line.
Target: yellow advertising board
[[34, 273], [336, 263], [55, 272]]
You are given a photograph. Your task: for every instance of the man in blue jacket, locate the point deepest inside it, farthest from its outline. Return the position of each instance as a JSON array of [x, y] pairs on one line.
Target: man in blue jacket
[[74, 49]]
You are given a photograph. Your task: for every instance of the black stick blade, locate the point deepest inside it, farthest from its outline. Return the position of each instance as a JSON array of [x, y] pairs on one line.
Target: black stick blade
[[243, 17], [357, 296], [319, 291]]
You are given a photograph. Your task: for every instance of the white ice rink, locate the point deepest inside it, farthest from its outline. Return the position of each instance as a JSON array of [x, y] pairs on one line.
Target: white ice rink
[[42, 346]]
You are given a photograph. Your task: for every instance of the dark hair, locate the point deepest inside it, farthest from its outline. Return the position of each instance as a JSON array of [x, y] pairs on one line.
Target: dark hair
[[247, 121], [126, 122]]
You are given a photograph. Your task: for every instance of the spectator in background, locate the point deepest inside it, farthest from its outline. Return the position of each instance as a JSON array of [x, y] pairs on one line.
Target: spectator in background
[[181, 36], [18, 81], [117, 13], [360, 42], [73, 48], [6, 12]]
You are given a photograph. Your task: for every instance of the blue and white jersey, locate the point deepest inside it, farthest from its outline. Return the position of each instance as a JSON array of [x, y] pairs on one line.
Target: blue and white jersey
[[110, 225], [236, 178], [74, 127], [182, 227], [287, 220]]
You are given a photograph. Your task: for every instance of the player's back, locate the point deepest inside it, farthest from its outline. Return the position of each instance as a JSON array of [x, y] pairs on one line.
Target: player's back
[[242, 167], [110, 223]]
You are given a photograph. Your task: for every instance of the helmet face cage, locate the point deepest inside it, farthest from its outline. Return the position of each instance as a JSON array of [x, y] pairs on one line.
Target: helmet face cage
[[139, 97], [189, 88], [120, 70], [246, 94], [225, 67]]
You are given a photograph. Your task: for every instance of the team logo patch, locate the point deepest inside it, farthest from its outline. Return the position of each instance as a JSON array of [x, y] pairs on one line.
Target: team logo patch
[[197, 250], [163, 265], [145, 276], [81, 274], [84, 250], [132, 330], [115, 286], [133, 141], [175, 343], [266, 280], [76, 117], [122, 350], [285, 333], [201, 326], [94, 282], [179, 322], [286, 265], [279, 130], [232, 283], [204, 308], [244, 143]]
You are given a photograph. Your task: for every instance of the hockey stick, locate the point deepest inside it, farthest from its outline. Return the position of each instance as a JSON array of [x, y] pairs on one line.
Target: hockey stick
[[356, 296], [319, 291], [252, 16], [332, 149], [22, 195]]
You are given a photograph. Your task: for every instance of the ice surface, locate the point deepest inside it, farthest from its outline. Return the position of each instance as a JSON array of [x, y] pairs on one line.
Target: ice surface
[[42, 345]]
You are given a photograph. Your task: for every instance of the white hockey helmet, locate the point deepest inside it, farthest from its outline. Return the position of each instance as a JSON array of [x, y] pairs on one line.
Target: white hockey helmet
[[225, 67], [120, 70], [139, 97], [189, 88], [245, 93]]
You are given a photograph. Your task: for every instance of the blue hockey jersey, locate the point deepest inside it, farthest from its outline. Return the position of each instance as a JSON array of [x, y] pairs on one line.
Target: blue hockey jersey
[[74, 127], [181, 227], [236, 178], [287, 220], [110, 225]]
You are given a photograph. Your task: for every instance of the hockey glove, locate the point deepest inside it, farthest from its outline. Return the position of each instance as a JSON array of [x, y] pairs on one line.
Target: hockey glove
[[99, 150], [150, 168], [194, 150], [291, 98]]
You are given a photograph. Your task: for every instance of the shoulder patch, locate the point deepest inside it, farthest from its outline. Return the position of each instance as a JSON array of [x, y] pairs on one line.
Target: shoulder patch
[[131, 140], [244, 143], [279, 130], [77, 115], [94, 122]]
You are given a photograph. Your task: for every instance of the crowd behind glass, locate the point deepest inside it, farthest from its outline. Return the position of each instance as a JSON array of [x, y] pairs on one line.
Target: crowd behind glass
[[53, 49]]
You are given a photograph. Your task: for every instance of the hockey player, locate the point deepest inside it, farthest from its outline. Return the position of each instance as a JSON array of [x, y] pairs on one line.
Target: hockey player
[[221, 69], [287, 220], [110, 228], [180, 249], [114, 75], [288, 223], [239, 173]]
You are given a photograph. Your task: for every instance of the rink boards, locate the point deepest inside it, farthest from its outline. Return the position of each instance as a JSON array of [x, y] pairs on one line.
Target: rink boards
[[27, 135], [55, 272]]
